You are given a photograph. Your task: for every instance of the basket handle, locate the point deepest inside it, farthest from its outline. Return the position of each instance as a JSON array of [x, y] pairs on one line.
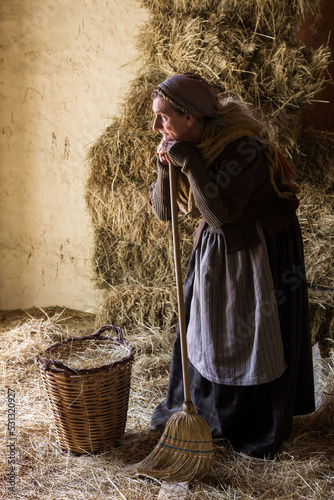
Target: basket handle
[[103, 328], [45, 364]]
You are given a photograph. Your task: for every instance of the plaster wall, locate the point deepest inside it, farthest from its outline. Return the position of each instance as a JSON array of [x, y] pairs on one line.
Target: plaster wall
[[63, 67]]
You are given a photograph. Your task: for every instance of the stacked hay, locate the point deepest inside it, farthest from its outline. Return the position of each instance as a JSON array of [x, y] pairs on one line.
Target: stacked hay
[[316, 168], [247, 48]]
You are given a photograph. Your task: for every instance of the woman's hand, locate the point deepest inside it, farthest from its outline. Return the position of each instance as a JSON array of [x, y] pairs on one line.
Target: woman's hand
[[162, 151], [183, 154]]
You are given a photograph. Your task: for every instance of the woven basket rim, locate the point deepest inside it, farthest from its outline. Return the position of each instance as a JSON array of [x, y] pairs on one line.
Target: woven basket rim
[[56, 366]]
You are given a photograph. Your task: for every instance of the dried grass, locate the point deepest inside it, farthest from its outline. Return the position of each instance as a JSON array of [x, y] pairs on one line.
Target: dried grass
[[154, 306], [303, 470], [322, 315], [317, 223], [203, 7], [247, 48], [315, 168]]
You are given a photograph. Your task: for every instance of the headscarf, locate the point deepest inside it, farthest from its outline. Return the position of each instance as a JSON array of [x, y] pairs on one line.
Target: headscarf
[[192, 93]]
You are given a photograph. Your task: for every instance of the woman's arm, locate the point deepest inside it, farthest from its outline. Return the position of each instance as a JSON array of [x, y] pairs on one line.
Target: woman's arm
[[160, 194], [206, 193]]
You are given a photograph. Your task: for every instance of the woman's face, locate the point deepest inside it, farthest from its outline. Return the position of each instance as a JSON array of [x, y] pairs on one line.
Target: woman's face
[[172, 125]]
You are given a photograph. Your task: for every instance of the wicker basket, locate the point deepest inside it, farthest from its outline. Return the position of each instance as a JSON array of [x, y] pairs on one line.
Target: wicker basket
[[89, 405]]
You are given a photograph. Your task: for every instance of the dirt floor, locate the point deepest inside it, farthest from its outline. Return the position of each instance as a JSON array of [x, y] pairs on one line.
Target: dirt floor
[[39, 469]]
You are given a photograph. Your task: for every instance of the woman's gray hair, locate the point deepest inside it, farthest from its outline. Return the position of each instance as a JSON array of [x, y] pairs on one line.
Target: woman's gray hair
[[233, 111]]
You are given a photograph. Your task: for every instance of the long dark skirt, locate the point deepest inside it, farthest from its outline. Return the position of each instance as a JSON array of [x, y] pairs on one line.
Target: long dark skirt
[[256, 419]]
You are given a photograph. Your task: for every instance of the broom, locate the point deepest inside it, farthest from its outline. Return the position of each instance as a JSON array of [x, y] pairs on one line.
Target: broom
[[185, 449]]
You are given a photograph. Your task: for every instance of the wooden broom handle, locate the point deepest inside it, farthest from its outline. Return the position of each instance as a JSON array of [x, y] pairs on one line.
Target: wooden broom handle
[[179, 285]]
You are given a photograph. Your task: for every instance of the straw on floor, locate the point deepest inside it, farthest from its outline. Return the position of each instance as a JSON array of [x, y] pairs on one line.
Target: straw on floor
[[303, 469]]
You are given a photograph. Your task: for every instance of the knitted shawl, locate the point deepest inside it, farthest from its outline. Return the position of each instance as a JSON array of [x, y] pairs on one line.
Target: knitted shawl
[[214, 142]]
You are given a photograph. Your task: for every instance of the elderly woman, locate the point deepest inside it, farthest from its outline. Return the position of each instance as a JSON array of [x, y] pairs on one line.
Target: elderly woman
[[248, 333]]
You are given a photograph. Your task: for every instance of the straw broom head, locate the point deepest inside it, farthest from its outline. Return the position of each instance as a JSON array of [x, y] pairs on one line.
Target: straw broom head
[[184, 451]]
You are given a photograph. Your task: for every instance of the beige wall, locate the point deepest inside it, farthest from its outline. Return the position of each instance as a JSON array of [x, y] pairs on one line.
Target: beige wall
[[63, 70]]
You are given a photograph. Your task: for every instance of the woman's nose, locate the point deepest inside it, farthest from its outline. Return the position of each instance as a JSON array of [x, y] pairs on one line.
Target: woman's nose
[[156, 123]]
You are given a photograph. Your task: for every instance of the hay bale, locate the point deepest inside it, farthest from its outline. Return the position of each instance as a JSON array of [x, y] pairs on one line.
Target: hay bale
[[315, 162], [317, 223], [315, 167], [132, 245], [247, 7], [130, 306], [247, 55], [322, 316], [247, 48]]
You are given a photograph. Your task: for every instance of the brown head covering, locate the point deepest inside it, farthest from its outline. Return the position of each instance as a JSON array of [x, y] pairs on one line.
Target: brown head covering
[[192, 93]]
